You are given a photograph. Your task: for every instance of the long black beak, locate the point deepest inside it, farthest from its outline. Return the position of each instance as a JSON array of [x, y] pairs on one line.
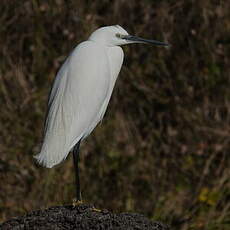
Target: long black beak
[[136, 39]]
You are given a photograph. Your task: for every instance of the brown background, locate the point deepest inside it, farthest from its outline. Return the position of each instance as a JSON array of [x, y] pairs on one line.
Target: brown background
[[163, 146]]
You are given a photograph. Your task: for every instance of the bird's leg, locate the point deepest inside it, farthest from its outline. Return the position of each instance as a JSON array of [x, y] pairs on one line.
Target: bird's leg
[[76, 158]]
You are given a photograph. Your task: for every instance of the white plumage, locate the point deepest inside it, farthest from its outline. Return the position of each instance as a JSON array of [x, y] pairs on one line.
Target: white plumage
[[82, 90], [79, 98]]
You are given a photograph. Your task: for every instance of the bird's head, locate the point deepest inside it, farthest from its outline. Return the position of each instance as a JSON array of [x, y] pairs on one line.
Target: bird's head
[[117, 36]]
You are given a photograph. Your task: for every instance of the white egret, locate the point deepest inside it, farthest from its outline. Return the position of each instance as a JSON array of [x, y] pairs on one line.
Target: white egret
[[81, 92]]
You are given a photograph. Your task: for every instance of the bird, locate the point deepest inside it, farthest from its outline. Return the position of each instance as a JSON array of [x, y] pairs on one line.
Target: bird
[[80, 94]]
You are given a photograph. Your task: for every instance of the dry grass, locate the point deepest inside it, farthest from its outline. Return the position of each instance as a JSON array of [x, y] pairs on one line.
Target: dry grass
[[163, 147]]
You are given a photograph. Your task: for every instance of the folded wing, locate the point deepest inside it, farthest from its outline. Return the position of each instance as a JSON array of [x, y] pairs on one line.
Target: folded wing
[[77, 96]]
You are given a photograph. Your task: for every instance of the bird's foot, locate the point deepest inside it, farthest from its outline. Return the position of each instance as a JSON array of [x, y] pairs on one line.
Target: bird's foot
[[95, 209], [77, 202]]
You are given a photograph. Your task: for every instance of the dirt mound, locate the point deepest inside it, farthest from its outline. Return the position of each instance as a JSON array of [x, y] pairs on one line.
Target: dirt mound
[[82, 217]]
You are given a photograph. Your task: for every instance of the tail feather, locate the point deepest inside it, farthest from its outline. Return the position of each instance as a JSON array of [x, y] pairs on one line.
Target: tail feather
[[44, 158], [53, 152]]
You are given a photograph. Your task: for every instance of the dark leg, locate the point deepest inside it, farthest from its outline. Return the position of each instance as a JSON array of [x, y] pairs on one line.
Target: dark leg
[[76, 166]]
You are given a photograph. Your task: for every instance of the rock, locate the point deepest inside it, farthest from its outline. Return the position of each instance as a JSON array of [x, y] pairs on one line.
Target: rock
[[82, 217]]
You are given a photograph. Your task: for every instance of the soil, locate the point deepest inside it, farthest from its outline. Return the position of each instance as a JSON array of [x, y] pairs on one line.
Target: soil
[[82, 217]]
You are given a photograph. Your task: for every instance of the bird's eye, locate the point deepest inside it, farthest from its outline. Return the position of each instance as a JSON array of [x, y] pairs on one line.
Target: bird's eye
[[119, 36]]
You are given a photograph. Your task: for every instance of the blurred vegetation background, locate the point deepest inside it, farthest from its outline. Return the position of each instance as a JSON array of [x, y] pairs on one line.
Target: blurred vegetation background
[[163, 146]]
